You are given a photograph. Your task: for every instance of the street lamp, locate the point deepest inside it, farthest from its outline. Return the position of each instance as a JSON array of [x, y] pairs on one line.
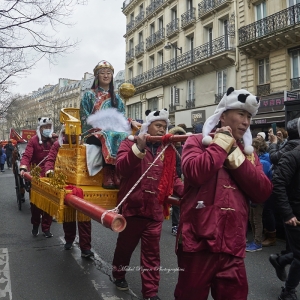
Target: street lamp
[[170, 45]]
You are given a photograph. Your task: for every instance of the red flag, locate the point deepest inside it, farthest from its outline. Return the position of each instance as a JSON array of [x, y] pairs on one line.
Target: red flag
[[27, 134], [15, 136]]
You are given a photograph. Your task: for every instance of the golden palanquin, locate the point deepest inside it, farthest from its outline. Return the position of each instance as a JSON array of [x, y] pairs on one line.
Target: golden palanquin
[[71, 162]]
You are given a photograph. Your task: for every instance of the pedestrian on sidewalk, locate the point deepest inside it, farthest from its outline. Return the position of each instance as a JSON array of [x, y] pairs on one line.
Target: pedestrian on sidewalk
[[2, 160], [287, 201], [256, 209], [35, 153], [84, 228], [9, 148], [143, 209], [220, 176]]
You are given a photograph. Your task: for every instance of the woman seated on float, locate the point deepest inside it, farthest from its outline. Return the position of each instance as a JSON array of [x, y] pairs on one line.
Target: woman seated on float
[[102, 115]]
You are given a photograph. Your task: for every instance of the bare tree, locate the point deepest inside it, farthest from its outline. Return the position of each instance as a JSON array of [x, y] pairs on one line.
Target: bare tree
[[28, 32]]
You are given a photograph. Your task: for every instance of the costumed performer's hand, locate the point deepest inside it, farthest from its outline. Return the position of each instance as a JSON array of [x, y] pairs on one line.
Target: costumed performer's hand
[[273, 138], [293, 221], [141, 141], [227, 130], [22, 173], [135, 125]]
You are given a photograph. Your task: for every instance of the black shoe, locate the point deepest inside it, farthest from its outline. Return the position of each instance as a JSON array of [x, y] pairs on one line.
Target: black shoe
[[35, 231], [153, 298], [87, 253], [121, 284], [48, 234], [68, 246], [280, 271], [287, 295]]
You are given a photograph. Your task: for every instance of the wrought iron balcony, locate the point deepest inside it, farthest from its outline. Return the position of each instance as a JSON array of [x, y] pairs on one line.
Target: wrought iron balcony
[[153, 6], [139, 18], [295, 83], [173, 27], [155, 38], [198, 54], [218, 98], [188, 17], [208, 5], [263, 89], [139, 49], [277, 22], [190, 103], [130, 26], [130, 55]]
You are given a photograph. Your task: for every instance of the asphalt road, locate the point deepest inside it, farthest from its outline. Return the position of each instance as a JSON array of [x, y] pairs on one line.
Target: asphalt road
[[39, 268]]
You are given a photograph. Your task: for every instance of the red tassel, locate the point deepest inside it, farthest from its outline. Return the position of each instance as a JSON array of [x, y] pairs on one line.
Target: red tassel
[[76, 191], [166, 182]]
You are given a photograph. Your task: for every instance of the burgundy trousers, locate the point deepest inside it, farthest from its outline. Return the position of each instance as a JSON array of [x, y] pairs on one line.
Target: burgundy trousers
[[36, 214], [223, 274], [148, 231], [84, 232]]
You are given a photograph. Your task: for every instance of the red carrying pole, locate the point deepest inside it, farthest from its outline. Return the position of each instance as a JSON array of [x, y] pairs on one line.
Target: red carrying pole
[[173, 139], [109, 219]]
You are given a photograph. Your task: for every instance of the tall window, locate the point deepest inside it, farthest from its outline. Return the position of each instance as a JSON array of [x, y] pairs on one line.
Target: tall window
[[161, 23], [130, 44], [152, 28], [224, 31], [263, 71], [172, 94], [135, 111], [222, 82], [261, 12], [189, 4], [295, 64], [140, 37], [191, 90], [151, 62], [174, 13], [153, 104], [140, 68], [141, 8], [160, 57], [130, 73]]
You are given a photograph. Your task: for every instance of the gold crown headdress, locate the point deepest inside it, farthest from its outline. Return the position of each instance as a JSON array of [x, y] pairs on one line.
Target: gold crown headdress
[[103, 64]]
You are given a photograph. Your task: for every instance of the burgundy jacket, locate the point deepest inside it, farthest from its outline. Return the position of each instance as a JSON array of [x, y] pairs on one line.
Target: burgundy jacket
[[225, 183], [50, 161], [143, 199], [35, 153]]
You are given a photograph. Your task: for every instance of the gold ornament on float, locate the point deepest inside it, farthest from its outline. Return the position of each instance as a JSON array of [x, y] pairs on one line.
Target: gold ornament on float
[[126, 90]]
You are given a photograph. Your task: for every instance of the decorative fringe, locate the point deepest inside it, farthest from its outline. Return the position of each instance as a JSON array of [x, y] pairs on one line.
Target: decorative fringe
[[166, 182]]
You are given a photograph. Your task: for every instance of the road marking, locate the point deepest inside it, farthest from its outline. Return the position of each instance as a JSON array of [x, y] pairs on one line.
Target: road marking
[[5, 282]]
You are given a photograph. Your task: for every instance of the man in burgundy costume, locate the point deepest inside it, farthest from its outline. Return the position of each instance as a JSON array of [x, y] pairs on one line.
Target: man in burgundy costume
[[84, 228], [142, 209], [221, 175], [35, 153]]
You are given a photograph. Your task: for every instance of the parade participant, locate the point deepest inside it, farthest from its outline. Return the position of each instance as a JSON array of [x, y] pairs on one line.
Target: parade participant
[[175, 209], [35, 153], [287, 201], [9, 148], [84, 228], [142, 209], [220, 176], [104, 110], [2, 160]]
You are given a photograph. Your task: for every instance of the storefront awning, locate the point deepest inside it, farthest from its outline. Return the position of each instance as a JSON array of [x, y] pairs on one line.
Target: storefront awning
[[268, 118]]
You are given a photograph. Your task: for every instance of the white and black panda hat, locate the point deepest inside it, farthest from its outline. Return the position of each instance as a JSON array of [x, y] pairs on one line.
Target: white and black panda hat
[[152, 116], [233, 99], [43, 121]]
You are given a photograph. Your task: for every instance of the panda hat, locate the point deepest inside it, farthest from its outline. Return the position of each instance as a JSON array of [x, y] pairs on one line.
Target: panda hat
[[43, 121], [233, 99], [151, 116]]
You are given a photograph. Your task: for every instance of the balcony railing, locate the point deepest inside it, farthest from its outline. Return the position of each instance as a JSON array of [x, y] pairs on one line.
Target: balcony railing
[[263, 89], [153, 6], [130, 25], [278, 21], [173, 26], [202, 52], [130, 55], [139, 18], [218, 98], [190, 103], [295, 83], [126, 3], [207, 5], [139, 48], [188, 17], [155, 38]]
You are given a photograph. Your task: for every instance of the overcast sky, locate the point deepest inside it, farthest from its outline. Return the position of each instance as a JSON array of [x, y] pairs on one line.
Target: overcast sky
[[100, 26]]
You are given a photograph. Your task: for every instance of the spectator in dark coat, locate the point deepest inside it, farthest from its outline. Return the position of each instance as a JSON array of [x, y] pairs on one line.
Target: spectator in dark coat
[[9, 148], [287, 200]]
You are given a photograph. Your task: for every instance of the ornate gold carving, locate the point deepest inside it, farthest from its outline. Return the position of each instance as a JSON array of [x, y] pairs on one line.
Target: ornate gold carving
[[35, 172], [57, 179]]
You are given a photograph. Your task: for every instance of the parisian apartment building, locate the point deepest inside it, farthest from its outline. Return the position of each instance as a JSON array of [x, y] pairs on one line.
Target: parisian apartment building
[[184, 54]]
